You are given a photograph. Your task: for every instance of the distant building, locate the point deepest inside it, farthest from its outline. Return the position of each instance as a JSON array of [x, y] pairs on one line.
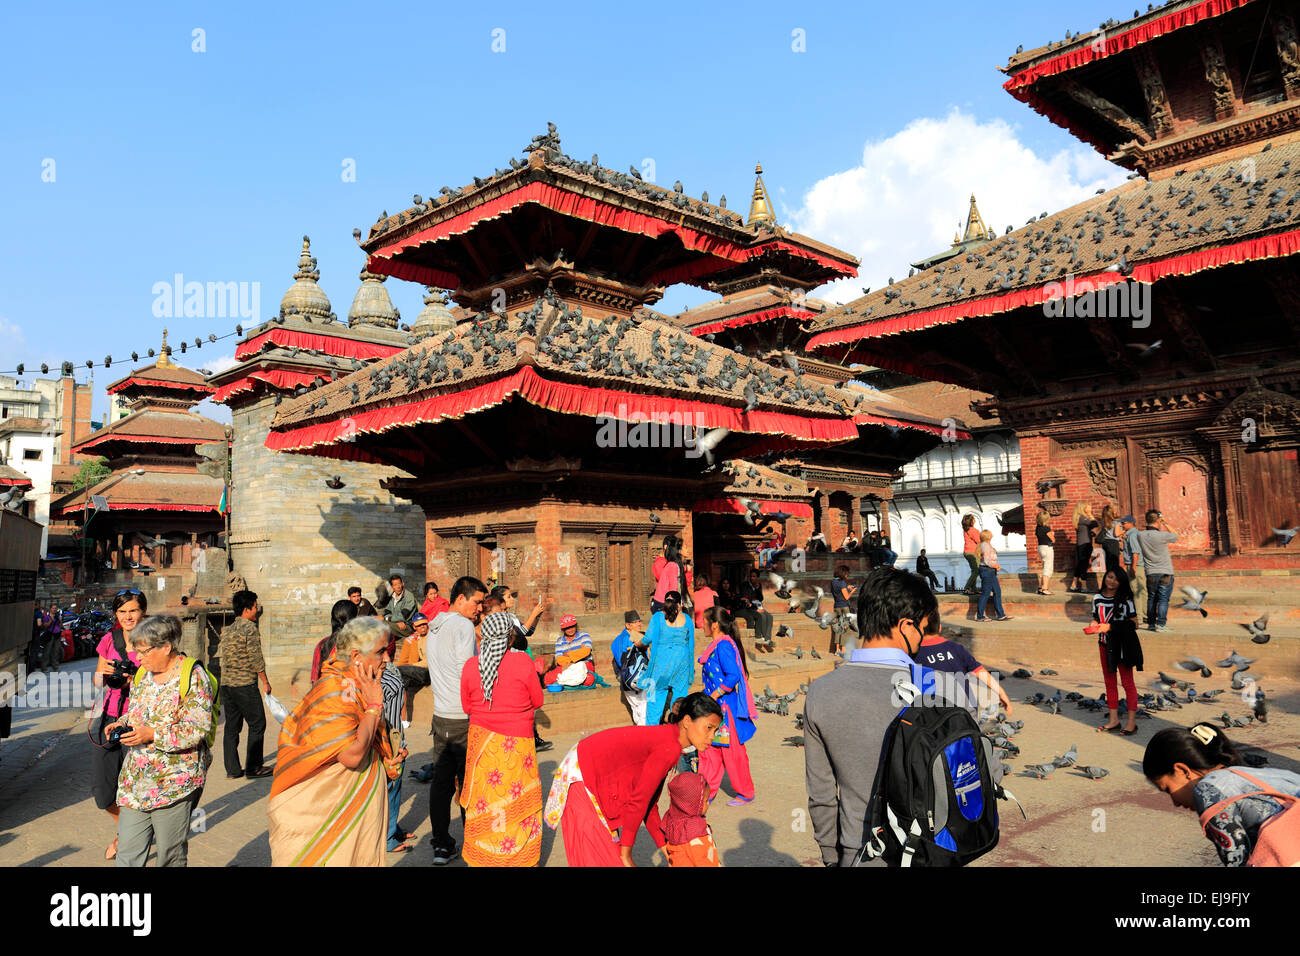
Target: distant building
[[976, 235], [979, 476]]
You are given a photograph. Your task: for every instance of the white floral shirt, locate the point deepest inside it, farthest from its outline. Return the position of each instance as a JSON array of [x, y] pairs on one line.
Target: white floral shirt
[[176, 763]]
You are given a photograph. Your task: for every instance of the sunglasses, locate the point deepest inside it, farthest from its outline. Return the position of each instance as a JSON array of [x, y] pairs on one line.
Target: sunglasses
[[129, 591]]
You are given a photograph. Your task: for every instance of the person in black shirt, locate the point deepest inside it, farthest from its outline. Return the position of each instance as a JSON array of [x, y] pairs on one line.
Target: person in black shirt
[[750, 607], [923, 569]]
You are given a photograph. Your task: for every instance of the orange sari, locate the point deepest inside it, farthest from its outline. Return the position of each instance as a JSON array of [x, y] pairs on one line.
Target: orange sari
[[320, 813], [502, 797]]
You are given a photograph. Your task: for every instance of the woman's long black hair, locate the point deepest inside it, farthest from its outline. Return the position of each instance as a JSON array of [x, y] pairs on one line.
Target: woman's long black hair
[[1202, 747], [720, 616], [342, 612], [1124, 591], [673, 547]]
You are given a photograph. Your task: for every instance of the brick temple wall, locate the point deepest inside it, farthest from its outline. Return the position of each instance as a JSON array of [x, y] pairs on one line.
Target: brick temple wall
[[300, 545]]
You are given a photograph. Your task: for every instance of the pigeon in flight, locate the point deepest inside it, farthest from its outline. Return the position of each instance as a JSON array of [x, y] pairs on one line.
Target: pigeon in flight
[[1286, 534], [1194, 664], [706, 444], [1236, 661], [1194, 599], [1258, 629], [782, 585], [335, 483]]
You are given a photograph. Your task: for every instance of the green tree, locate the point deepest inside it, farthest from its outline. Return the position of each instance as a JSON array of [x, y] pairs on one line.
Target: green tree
[[91, 473]]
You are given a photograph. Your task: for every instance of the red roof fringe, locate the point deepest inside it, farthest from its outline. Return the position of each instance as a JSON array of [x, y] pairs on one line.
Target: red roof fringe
[[330, 344], [156, 383], [732, 506], [280, 378], [142, 506], [843, 268], [1264, 247], [140, 439], [736, 321], [565, 398], [1120, 42]]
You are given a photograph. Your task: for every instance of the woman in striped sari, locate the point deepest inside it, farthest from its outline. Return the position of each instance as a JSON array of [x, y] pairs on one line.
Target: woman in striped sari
[[502, 795], [328, 798]]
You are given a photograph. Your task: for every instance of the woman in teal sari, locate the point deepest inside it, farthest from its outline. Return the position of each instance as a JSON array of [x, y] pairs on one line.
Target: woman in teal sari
[[671, 670]]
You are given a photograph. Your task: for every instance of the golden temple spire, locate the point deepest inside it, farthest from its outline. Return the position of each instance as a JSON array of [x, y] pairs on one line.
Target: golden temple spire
[[165, 354], [760, 207], [975, 228]]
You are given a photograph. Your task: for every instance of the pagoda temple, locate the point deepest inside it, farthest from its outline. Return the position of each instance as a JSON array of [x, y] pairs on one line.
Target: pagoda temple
[[160, 509], [549, 438], [1144, 344], [303, 531]]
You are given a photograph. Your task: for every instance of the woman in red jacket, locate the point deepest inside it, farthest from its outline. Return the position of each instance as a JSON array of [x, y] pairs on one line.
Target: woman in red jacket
[[611, 781], [502, 793]]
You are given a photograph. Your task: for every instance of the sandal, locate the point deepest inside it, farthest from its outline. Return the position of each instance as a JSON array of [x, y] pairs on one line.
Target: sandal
[[111, 852], [1128, 733], [1108, 728], [402, 848], [263, 772]]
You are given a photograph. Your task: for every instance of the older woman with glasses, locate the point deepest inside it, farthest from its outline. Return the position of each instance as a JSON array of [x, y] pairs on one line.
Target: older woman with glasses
[[165, 732], [328, 799]]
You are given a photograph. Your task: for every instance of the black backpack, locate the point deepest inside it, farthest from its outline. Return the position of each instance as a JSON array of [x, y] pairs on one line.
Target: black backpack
[[933, 802], [632, 667]]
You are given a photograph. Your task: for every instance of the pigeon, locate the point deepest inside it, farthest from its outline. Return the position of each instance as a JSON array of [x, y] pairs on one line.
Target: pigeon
[[706, 444], [782, 585], [1069, 758], [1048, 672], [1022, 674], [1041, 770], [336, 483], [1206, 696], [1239, 682], [798, 653], [1229, 721], [1236, 661], [1195, 664], [1261, 707], [1194, 599], [654, 518], [1286, 534], [815, 655], [1093, 773], [1257, 629]]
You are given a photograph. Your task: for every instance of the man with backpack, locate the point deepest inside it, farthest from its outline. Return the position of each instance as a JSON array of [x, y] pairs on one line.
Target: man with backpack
[[242, 667], [852, 724], [630, 662]]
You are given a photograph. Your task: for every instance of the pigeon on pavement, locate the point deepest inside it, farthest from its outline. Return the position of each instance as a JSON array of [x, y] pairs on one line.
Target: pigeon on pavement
[[1069, 758], [1093, 773], [1041, 770]]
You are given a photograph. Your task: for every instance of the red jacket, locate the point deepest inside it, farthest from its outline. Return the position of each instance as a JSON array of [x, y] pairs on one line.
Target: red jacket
[[625, 768], [434, 606], [515, 696]]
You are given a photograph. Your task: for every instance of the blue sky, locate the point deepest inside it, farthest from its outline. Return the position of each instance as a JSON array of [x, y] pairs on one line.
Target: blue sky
[[214, 164]]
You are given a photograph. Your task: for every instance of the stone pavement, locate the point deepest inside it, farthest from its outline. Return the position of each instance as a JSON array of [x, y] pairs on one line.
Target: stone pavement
[[47, 817]]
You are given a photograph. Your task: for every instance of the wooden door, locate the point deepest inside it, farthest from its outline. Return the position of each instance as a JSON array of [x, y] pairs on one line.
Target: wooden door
[[1270, 490], [620, 576]]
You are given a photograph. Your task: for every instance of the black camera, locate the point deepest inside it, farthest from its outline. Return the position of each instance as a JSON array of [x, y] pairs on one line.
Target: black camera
[[117, 733], [123, 671]]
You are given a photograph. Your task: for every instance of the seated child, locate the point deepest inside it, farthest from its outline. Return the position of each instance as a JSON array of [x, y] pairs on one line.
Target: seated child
[[689, 840]]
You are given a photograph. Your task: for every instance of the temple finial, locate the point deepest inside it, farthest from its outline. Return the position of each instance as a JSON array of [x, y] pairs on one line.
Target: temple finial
[[165, 354], [760, 207]]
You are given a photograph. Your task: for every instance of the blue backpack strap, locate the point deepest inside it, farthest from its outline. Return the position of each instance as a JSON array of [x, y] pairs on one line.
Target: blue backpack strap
[[923, 678]]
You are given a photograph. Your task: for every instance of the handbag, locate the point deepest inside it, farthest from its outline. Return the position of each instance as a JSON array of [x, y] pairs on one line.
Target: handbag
[[722, 736]]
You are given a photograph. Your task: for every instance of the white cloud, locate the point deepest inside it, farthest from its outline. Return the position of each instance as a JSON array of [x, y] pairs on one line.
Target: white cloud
[[207, 407], [904, 201], [221, 364]]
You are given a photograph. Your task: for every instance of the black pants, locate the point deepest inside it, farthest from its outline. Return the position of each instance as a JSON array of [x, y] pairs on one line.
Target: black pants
[[760, 622], [240, 704], [450, 741], [934, 582]]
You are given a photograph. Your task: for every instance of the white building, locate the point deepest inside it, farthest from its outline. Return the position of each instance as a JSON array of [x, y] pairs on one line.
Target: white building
[[31, 445], [979, 476]]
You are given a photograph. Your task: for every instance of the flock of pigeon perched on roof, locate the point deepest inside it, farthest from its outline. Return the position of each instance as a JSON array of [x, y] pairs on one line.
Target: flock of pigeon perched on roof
[[630, 182], [610, 346], [1209, 204]]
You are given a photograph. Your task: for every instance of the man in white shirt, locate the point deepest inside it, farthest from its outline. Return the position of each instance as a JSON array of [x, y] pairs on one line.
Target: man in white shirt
[[449, 645]]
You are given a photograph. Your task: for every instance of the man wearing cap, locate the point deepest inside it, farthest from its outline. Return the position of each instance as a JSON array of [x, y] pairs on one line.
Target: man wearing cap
[[1130, 558], [629, 637], [572, 647], [411, 662]]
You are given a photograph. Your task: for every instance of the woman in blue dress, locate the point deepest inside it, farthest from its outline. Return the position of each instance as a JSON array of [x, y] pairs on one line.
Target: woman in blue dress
[[671, 671], [726, 680]]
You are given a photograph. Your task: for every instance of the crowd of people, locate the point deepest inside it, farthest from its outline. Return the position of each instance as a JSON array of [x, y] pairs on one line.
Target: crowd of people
[[341, 754]]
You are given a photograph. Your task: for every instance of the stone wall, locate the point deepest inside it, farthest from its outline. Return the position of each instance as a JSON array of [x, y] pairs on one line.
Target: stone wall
[[300, 545]]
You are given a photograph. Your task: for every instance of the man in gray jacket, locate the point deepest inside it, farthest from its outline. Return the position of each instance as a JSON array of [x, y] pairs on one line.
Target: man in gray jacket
[[449, 645], [848, 710]]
